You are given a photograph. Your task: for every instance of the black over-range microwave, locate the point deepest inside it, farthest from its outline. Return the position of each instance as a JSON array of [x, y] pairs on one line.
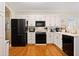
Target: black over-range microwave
[[40, 24]]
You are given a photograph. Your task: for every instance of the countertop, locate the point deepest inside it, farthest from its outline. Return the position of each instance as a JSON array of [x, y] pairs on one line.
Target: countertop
[[70, 34]]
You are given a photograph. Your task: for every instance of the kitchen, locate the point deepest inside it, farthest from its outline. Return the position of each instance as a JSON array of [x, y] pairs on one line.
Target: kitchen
[[45, 23]]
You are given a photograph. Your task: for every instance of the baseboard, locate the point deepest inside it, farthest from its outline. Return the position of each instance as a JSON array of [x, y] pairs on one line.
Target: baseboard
[[44, 44]]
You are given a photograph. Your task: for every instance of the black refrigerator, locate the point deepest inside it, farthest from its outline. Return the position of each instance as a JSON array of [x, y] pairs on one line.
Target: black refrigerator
[[18, 32]]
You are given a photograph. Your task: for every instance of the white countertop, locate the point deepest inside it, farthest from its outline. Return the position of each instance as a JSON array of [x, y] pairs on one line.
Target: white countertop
[[65, 33]]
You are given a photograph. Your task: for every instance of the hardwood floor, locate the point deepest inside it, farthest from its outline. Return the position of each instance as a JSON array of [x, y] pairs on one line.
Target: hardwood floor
[[36, 50]]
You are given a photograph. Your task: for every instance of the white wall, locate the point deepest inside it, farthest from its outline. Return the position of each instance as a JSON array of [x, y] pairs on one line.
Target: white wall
[[2, 28]]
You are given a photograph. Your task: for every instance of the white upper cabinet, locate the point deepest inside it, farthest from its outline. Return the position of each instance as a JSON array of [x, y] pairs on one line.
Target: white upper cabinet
[[41, 18], [47, 19], [58, 21], [77, 21], [52, 21], [31, 21], [38, 18], [55, 20]]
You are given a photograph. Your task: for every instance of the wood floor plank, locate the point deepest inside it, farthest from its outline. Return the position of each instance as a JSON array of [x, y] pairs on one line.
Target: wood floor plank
[[35, 50]]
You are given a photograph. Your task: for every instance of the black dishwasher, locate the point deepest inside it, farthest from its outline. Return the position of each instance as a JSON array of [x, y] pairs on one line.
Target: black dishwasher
[[68, 44], [40, 37]]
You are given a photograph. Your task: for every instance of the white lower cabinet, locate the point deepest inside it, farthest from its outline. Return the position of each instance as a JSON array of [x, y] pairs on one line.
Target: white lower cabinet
[[31, 38], [50, 38], [58, 40], [54, 38]]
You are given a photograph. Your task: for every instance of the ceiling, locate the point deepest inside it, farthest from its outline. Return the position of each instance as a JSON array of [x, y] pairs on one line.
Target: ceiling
[[44, 6]]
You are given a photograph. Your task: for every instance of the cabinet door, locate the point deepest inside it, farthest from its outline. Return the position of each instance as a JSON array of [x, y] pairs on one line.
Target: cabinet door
[[59, 40], [47, 23], [58, 21], [48, 37], [47, 20], [52, 38], [31, 38], [31, 23], [52, 21], [55, 39]]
